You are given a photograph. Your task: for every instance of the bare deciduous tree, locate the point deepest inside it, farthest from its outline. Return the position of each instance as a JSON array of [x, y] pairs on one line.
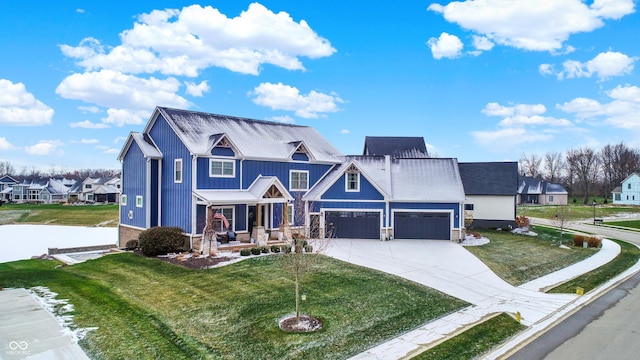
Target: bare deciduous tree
[[530, 165], [561, 219], [618, 162], [7, 168], [584, 165], [554, 166]]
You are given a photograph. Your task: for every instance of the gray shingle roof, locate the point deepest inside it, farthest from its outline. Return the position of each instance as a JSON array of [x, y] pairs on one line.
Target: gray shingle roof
[[489, 178], [253, 138], [396, 146], [535, 186]]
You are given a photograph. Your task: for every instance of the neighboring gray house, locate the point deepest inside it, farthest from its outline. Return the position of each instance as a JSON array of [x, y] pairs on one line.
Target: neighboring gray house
[[96, 190], [45, 191], [6, 182], [628, 193], [538, 191], [491, 190]]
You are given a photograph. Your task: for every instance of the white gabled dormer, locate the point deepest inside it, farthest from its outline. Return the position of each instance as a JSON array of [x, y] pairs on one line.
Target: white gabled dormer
[[300, 152]]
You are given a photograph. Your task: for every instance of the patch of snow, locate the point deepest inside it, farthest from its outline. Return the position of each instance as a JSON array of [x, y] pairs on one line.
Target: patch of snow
[[524, 231], [564, 247], [59, 309], [21, 242], [471, 240]]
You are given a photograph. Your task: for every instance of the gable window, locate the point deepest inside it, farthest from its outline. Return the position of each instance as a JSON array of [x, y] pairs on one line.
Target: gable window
[[123, 200], [299, 180], [177, 171], [221, 168], [352, 182], [139, 201]]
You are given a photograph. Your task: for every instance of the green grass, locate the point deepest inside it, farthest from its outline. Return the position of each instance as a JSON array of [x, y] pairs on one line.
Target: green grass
[[577, 212], [634, 224], [57, 214], [148, 309], [518, 259], [475, 341], [629, 255]]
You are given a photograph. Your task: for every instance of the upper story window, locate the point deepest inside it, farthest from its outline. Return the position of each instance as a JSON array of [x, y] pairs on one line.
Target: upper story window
[[177, 171], [299, 180], [353, 182], [123, 199], [87, 186], [139, 201], [222, 168], [629, 186]]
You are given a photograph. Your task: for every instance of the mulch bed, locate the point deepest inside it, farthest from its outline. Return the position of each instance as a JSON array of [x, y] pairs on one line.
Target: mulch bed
[[192, 262], [306, 324]]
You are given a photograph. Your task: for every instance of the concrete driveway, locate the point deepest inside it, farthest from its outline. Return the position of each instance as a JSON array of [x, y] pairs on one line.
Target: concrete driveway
[[448, 267]]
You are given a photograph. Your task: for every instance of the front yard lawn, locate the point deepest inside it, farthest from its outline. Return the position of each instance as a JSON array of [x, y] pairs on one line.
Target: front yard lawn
[[148, 309], [518, 259], [634, 224], [58, 214], [578, 212]]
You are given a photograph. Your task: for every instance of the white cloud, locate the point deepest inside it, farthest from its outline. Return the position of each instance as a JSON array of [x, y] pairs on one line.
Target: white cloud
[[495, 109], [345, 131], [531, 24], [482, 43], [119, 139], [283, 119], [89, 109], [623, 111], [20, 107], [5, 144], [546, 69], [197, 90], [45, 147], [86, 124], [285, 97], [183, 42], [509, 137], [111, 151], [603, 66], [85, 141], [80, 11], [445, 46]]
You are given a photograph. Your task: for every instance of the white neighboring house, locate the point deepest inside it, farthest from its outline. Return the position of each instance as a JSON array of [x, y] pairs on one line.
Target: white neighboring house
[[96, 190], [628, 193]]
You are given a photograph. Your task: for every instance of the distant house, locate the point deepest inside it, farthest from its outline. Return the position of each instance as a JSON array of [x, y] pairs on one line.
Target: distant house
[[40, 191], [628, 193], [491, 190], [6, 183], [96, 190], [538, 191], [395, 146]]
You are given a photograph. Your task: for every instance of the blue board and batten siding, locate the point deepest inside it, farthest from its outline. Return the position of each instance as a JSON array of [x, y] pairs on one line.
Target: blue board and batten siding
[[204, 181], [176, 198], [135, 178], [253, 168], [338, 191]]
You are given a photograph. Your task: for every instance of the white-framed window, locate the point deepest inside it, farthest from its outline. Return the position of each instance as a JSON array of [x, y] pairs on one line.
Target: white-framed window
[[299, 180], [90, 197], [123, 199], [34, 194], [87, 186], [177, 171], [629, 186], [218, 222], [290, 211], [139, 201], [352, 182], [468, 207], [618, 197], [222, 168], [550, 198]]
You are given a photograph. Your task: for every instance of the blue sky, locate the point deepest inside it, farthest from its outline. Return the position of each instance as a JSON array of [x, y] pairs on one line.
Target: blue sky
[[481, 80]]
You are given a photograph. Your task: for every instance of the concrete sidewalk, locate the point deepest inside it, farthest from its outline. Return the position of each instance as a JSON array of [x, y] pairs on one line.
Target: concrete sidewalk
[[27, 331], [448, 267]]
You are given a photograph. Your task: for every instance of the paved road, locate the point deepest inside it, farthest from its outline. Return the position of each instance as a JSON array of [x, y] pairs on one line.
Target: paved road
[[606, 328]]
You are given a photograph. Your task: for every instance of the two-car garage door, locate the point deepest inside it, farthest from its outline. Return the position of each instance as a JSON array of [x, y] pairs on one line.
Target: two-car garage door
[[406, 224], [422, 225]]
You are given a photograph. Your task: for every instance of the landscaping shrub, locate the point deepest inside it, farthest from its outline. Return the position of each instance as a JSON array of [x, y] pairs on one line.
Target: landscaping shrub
[[255, 251], [578, 240], [522, 221], [162, 240], [131, 245], [245, 252], [264, 250], [474, 234], [275, 248], [308, 248], [594, 242], [286, 249]]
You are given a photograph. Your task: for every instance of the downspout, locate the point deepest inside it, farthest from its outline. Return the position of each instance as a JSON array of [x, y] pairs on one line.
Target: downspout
[[147, 195], [194, 176], [387, 165]]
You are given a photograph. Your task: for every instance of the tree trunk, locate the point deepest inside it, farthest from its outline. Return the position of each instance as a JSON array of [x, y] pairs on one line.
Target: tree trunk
[[297, 299]]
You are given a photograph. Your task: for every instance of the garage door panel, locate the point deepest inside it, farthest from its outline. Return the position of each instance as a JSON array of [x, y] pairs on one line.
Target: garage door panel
[[354, 224], [422, 225]]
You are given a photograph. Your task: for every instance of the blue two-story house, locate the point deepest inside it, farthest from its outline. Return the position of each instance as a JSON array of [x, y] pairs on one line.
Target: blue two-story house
[[187, 168]]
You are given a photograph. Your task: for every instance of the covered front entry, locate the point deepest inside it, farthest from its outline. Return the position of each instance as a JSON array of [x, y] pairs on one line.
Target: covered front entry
[[353, 224], [422, 225]]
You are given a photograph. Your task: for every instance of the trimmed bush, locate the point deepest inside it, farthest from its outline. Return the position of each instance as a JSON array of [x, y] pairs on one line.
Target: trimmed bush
[[286, 249], [162, 240], [308, 248], [275, 248], [522, 221], [594, 242], [264, 250], [131, 245], [578, 240], [255, 251], [245, 252]]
